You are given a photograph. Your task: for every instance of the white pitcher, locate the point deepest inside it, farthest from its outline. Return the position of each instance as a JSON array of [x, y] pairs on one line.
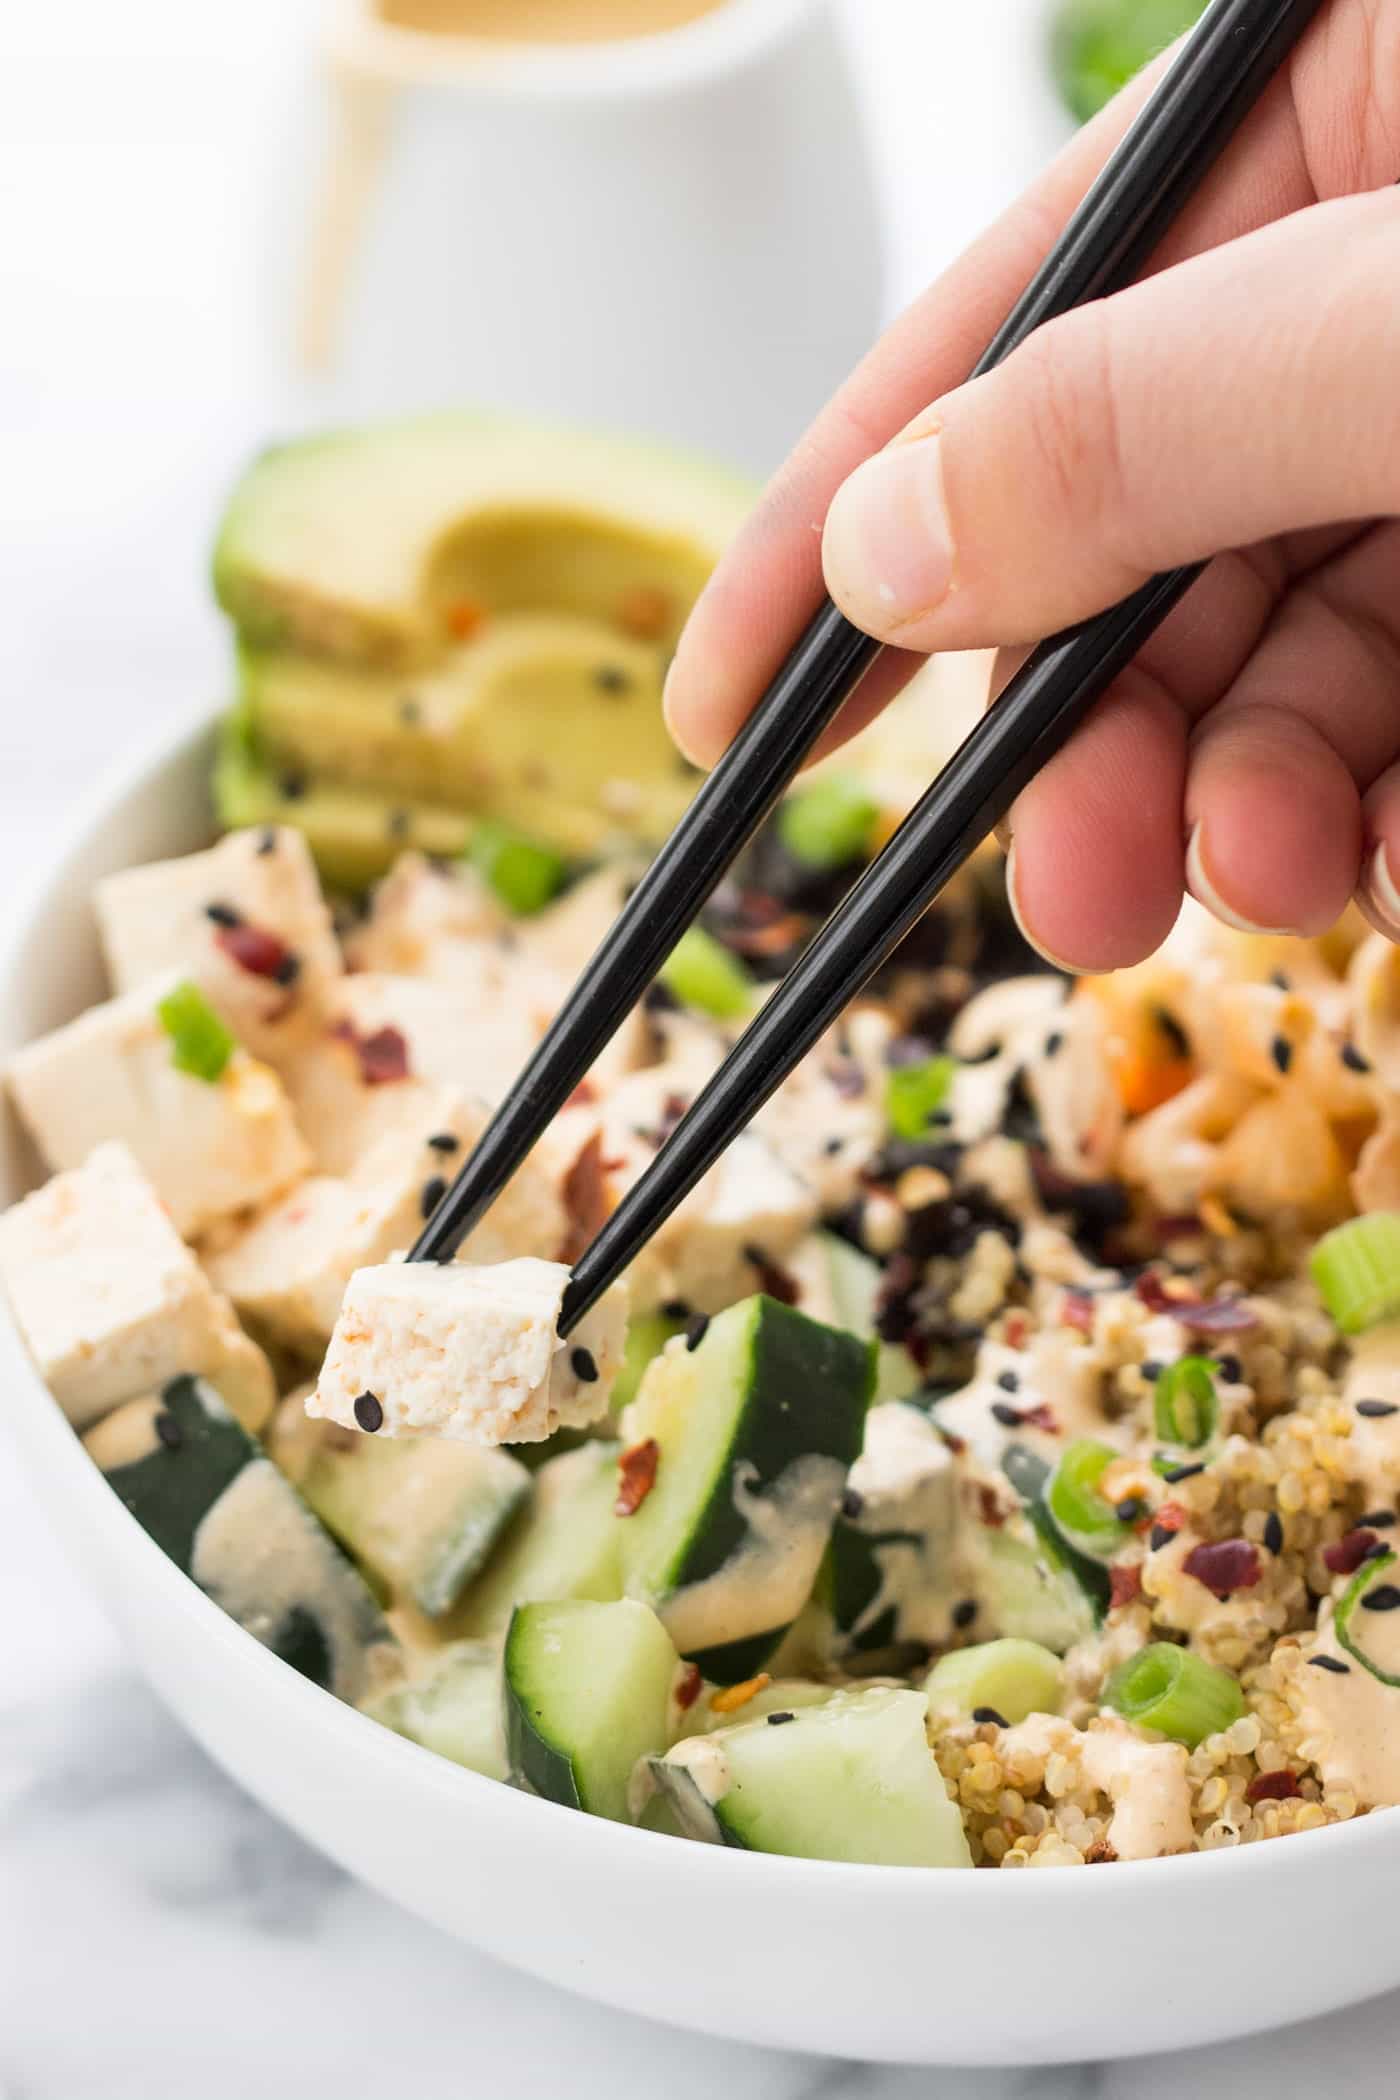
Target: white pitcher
[[673, 233]]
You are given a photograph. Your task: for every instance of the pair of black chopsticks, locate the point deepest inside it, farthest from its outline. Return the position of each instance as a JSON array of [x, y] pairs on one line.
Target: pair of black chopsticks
[[1218, 76]]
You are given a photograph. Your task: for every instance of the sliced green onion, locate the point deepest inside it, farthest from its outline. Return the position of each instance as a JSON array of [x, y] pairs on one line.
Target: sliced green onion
[[1357, 1269], [1369, 1572], [1012, 1678], [1184, 1405], [1173, 1691], [522, 871], [915, 1093], [830, 822], [199, 1042], [1079, 1512], [701, 972]]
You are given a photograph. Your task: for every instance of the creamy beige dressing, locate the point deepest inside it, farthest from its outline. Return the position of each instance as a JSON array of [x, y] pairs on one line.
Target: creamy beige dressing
[[1350, 1719], [1374, 1374], [705, 1764], [260, 1556], [1145, 1782], [126, 1436], [767, 1580]]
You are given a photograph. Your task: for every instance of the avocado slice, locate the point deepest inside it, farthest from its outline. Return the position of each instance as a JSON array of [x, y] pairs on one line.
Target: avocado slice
[[354, 834], [386, 545], [547, 721]]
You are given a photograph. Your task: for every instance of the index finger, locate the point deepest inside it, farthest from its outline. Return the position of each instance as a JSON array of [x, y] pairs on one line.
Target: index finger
[[769, 583]]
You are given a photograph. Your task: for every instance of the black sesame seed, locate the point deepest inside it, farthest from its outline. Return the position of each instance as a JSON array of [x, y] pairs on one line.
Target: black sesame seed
[[1008, 1416], [611, 678], [1376, 1410], [964, 1613], [1175, 1473], [288, 970], [409, 711], [1377, 1550], [292, 786], [984, 1714], [1279, 980], [1130, 1509], [1173, 1031], [696, 1331], [675, 1309], [1230, 1369], [852, 1503], [777, 1720], [223, 915], [584, 1366], [1151, 1369], [169, 1431], [833, 1146], [1054, 1043], [443, 1141], [1160, 1536], [434, 1189], [399, 821], [1009, 1381], [1329, 1662], [368, 1413], [1281, 1051], [1384, 1597], [1377, 1520], [1353, 1059], [268, 841], [942, 1117], [1273, 1532]]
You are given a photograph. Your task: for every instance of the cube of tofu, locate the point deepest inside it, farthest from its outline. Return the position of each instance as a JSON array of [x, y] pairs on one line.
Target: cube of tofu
[[286, 1270], [210, 1147], [245, 921], [422, 916], [469, 1354], [110, 1303], [382, 1034], [828, 1118]]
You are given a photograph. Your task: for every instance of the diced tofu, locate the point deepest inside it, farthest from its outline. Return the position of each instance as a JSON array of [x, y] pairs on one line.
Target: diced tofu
[[108, 1301], [421, 918], [757, 1212], [466, 1353], [287, 1269], [828, 1118], [209, 1147], [384, 1033], [245, 921]]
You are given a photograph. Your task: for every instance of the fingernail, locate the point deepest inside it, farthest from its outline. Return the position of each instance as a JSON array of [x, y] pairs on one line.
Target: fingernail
[[888, 546], [1199, 883], [1378, 897], [1056, 962]]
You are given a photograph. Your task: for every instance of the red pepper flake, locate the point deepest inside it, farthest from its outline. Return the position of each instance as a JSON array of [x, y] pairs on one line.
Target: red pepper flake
[[254, 949], [587, 1198], [773, 1280], [383, 1054], [689, 1688], [1016, 1328], [1225, 1566], [1345, 1556], [465, 618], [1041, 1417], [636, 1472], [1170, 1517], [1272, 1786], [1100, 1854], [1124, 1585], [989, 1506], [1077, 1311], [583, 1096]]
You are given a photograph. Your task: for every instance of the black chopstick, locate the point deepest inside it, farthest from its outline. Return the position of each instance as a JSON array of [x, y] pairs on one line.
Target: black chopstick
[[1218, 76]]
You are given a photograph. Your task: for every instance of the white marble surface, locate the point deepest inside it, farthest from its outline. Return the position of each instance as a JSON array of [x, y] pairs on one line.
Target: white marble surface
[[160, 1937]]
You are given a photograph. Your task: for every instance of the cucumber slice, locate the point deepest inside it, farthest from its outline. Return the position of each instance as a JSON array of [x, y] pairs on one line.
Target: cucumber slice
[[565, 1544], [202, 1487], [889, 1575], [422, 1517], [454, 1708], [855, 1288], [587, 1695], [782, 1695], [852, 1779], [1022, 1590], [647, 1336], [757, 1427]]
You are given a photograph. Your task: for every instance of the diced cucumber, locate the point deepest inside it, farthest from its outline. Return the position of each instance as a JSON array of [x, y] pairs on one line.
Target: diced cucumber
[[202, 1487], [757, 1427], [851, 1779], [782, 1695], [565, 1544], [647, 1336], [1031, 1477], [855, 1289], [587, 1695], [454, 1707], [1022, 1590], [889, 1575], [1010, 1678], [421, 1516]]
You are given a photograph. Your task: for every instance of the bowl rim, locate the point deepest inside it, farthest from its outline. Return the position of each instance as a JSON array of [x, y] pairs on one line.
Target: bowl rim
[[41, 1423]]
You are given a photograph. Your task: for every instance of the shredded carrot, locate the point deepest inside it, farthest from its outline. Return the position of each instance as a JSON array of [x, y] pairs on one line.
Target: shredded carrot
[[1217, 1219], [736, 1695], [465, 617]]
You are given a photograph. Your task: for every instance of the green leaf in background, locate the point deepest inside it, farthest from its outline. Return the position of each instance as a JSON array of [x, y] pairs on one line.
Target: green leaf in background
[[1096, 46]]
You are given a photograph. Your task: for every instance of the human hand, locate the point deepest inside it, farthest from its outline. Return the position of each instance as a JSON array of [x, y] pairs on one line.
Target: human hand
[[1242, 402]]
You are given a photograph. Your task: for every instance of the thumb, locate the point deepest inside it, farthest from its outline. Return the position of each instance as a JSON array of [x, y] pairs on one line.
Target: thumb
[[1247, 392]]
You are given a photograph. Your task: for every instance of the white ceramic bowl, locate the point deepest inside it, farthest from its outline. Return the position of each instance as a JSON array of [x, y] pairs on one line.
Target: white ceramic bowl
[[886, 1963]]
